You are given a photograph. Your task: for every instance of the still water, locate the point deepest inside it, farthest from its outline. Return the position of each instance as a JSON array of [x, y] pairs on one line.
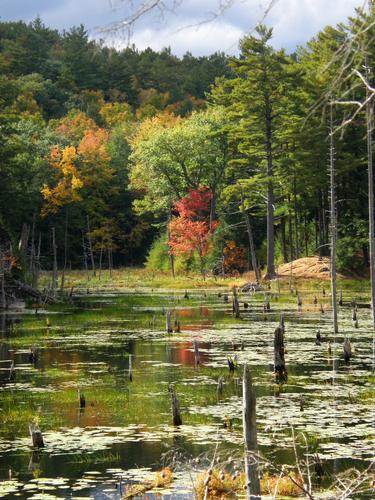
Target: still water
[[125, 430]]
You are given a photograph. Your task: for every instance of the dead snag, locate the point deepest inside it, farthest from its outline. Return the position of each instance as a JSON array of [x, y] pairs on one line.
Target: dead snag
[[340, 298], [299, 301], [186, 295], [130, 370], [232, 365], [82, 400], [168, 324], [220, 386], [12, 372], [176, 415], [347, 350], [354, 314], [279, 356], [36, 436], [282, 323], [250, 436], [236, 306], [196, 353]]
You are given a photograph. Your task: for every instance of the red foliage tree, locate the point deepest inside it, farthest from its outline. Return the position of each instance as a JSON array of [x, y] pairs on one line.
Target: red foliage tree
[[196, 205], [190, 230]]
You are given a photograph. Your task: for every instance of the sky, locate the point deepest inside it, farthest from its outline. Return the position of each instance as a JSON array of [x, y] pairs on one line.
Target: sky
[[188, 25]]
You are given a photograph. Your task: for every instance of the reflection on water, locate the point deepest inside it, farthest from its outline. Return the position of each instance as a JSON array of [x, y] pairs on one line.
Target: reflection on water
[[125, 429]]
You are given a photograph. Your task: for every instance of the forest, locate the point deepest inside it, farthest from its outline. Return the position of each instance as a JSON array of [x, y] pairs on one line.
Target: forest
[[114, 156]]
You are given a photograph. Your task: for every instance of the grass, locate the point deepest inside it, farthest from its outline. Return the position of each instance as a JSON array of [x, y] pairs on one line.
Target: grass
[[221, 484], [140, 279]]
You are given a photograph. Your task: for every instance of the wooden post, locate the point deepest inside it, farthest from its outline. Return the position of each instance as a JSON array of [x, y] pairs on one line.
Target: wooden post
[[196, 353], [279, 359], [130, 368], [236, 306], [250, 436], [36, 436], [168, 323], [176, 415]]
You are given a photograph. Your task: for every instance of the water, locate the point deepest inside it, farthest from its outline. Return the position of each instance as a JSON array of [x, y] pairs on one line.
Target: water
[[125, 431]]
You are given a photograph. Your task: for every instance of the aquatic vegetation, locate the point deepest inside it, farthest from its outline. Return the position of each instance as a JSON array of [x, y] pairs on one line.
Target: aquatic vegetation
[[162, 479], [128, 424]]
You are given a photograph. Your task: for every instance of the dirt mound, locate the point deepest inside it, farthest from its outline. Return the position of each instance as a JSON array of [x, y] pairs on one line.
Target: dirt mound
[[307, 267]]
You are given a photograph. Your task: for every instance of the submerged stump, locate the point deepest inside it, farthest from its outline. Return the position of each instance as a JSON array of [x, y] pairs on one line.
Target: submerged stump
[[280, 371], [176, 414], [36, 436], [250, 437]]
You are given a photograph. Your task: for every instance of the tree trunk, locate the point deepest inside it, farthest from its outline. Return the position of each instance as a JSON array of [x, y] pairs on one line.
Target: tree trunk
[[37, 263], [100, 260], [283, 240], [171, 255], [251, 241], [270, 195], [250, 437], [84, 252], [54, 271], [333, 224], [306, 236], [295, 216], [321, 225], [32, 250], [212, 207], [290, 230], [65, 251], [370, 172], [90, 247]]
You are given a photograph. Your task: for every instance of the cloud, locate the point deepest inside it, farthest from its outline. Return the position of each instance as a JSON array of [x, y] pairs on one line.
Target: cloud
[[294, 21]]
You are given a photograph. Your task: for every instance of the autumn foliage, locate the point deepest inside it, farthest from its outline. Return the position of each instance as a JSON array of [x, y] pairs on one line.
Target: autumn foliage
[[190, 231]]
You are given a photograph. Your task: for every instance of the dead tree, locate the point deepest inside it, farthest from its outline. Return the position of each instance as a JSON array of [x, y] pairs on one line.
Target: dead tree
[[347, 350], [333, 222], [54, 271], [90, 247], [168, 322], [196, 353], [279, 356], [82, 400], [130, 370], [236, 305], [176, 415], [36, 436], [250, 436]]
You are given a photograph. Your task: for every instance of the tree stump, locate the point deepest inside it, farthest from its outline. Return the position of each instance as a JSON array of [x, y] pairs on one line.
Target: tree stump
[[176, 415], [236, 306], [36, 436], [279, 356], [250, 437]]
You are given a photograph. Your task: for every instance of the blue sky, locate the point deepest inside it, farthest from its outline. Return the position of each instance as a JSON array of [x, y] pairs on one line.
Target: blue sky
[[294, 21]]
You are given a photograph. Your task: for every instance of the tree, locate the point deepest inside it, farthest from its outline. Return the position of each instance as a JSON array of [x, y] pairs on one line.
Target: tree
[[257, 100], [191, 231]]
